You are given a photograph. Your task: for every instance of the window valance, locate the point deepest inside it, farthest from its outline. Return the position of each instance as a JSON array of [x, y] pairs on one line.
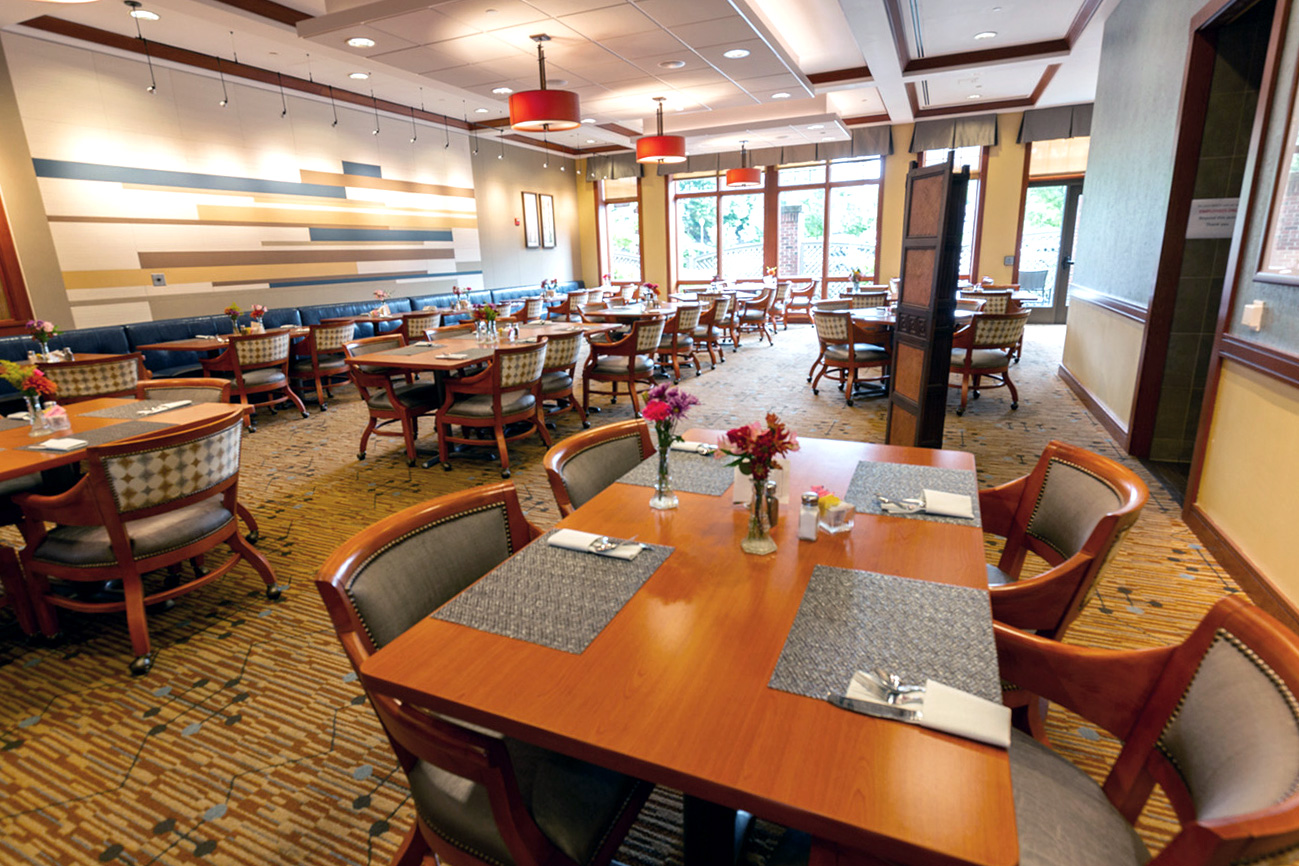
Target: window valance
[[613, 167], [980, 131], [866, 141], [1066, 121]]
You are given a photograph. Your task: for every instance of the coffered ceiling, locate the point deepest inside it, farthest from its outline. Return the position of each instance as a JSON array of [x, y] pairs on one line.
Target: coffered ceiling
[[809, 70]]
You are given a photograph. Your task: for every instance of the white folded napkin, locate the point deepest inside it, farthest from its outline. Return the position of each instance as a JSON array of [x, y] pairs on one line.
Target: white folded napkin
[[206, 337], [20, 416], [458, 356], [61, 444], [424, 343], [694, 447], [572, 539], [164, 407], [952, 711], [948, 504]]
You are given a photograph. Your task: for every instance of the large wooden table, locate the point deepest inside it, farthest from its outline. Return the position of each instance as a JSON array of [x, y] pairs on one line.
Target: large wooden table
[[674, 690], [459, 340]]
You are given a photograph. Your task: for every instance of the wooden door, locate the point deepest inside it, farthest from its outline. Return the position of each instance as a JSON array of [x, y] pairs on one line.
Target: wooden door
[[922, 339]]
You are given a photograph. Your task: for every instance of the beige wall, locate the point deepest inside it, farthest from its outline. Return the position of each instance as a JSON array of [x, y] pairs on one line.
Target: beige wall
[[1003, 189], [499, 185], [1250, 484], [1101, 350]]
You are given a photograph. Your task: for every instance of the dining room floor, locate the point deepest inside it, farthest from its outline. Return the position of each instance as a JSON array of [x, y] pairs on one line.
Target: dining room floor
[[250, 742]]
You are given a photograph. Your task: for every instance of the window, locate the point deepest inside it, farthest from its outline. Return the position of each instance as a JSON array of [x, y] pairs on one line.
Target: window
[[826, 221], [620, 255], [974, 158]]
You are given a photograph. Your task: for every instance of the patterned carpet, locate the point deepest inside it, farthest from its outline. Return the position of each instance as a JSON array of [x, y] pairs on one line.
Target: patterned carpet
[[251, 742]]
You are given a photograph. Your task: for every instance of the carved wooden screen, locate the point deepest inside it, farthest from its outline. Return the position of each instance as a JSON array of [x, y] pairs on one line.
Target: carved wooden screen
[[922, 341]]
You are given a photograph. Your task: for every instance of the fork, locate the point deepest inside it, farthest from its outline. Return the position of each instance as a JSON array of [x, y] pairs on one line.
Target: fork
[[900, 506]]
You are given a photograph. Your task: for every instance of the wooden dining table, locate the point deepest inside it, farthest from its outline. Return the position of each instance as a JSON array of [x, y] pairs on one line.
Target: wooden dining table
[[627, 313], [215, 344], [674, 689], [460, 340]]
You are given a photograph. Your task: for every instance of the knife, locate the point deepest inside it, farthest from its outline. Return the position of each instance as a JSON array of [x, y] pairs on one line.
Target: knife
[[871, 708]]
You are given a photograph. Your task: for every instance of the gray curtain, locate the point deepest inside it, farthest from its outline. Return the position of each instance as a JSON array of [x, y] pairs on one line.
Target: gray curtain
[[1045, 124], [866, 141], [980, 131], [614, 167]]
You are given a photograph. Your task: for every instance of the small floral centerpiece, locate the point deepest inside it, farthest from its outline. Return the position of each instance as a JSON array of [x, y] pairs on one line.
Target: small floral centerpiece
[[605, 279], [754, 450], [486, 313], [382, 296], [34, 385], [664, 406], [42, 331], [232, 312], [650, 293], [771, 271], [485, 316], [855, 276], [258, 312]]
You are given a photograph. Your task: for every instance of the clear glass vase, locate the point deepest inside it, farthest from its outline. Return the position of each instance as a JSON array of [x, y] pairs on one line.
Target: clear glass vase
[[663, 498], [758, 540], [40, 424]]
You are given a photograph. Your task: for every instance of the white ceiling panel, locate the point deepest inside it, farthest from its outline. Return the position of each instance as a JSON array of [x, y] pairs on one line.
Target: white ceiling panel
[[610, 22], [768, 84], [486, 15], [948, 26], [383, 40], [644, 45], [989, 84], [419, 60], [560, 8], [576, 53], [421, 27], [471, 76], [761, 60], [731, 31], [481, 48], [608, 71], [673, 13]]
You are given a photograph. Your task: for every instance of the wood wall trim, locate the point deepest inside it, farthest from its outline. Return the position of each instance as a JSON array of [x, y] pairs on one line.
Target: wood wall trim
[[838, 76], [863, 119], [913, 96], [1113, 304], [1279, 365], [1113, 424], [1256, 585]]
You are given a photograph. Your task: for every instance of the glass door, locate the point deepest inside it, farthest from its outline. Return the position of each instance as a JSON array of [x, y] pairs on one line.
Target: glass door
[[1051, 212]]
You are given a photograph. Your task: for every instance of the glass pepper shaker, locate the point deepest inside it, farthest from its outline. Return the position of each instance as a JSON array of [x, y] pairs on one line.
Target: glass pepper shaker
[[773, 504], [808, 513]]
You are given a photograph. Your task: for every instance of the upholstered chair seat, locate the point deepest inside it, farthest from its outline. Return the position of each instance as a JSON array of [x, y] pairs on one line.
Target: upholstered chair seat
[[618, 364], [683, 342], [982, 352], [264, 376], [327, 363], [149, 536], [556, 382], [981, 359], [842, 353], [480, 405], [418, 394], [860, 352]]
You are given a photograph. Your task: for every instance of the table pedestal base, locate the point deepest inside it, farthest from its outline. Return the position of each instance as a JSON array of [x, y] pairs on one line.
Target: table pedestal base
[[713, 834]]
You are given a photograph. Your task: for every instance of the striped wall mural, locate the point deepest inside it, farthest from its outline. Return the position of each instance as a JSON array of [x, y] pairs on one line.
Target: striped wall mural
[[236, 203]]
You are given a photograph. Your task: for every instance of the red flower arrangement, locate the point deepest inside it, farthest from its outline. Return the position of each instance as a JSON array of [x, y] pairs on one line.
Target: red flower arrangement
[[486, 313], [28, 379], [755, 447]]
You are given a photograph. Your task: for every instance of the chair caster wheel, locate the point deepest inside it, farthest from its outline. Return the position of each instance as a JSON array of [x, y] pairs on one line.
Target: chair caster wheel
[[1014, 406], [594, 409], [849, 402], [586, 425], [960, 412], [274, 592], [361, 456], [253, 537], [324, 408], [815, 392], [505, 473], [411, 463], [141, 666], [446, 467], [306, 414]]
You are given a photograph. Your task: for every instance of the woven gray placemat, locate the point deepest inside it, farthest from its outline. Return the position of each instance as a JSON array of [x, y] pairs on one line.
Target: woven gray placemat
[[904, 481], [553, 597], [691, 473], [860, 620], [102, 435], [414, 350], [11, 423], [129, 411]]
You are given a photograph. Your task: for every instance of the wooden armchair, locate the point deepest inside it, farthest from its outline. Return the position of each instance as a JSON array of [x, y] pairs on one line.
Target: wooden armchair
[[507, 392], [558, 376], [841, 353], [712, 324], [1213, 721], [390, 400], [983, 349], [481, 799], [318, 359], [798, 307], [626, 361], [1072, 511], [753, 316], [866, 300], [100, 377], [127, 517], [585, 463], [569, 309], [413, 325], [678, 340], [258, 364]]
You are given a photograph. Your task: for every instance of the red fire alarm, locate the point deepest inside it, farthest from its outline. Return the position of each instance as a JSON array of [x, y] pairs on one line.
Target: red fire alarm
[[516, 221]]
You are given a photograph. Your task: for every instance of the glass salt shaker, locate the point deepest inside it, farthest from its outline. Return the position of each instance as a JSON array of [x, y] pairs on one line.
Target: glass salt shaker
[[808, 513]]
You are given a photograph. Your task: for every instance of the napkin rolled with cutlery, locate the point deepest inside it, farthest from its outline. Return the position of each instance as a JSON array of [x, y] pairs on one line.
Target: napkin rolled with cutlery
[[589, 542], [164, 407], [948, 504], [455, 356], [936, 706], [694, 447]]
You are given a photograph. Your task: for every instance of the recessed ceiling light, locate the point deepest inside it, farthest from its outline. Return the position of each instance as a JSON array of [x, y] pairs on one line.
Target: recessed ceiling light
[[557, 82], [781, 95], [590, 141], [671, 64], [986, 34], [502, 90], [359, 76], [480, 111], [817, 126], [588, 120], [735, 53], [144, 13], [360, 42], [975, 96]]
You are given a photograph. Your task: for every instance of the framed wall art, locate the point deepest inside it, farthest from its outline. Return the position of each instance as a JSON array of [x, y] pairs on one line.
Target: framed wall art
[[547, 220], [531, 234]]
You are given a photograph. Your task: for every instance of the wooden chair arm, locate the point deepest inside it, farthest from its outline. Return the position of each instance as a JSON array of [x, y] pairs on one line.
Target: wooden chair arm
[[478, 383], [1107, 687], [1039, 602], [72, 507], [220, 362], [997, 505]]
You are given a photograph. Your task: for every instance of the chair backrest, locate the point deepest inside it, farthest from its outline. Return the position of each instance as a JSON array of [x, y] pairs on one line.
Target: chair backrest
[[1220, 733], [993, 301], [998, 330], [832, 305], [971, 304], [628, 293], [195, 390], [724, 304], [687, 318], [329, 338], [585, 463], [867, 300], [586, 309], [261, 350], [832, 327], [803, 291], [532, 308], [158, 472], [368, 376], [520, 365], [103, 377], [561, 351], [413, 325], [647, 333]]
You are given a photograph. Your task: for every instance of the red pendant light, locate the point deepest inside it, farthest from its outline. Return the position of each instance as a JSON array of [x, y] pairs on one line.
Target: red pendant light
[[660, 148], [744, 176], [544, 110]]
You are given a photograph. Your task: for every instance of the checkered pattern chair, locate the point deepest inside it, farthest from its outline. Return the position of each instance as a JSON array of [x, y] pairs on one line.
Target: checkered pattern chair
[[841, 355], [389, 399], [678, 340], [569, 308], [754, 316], [996, 301], [258, 365], [585, 463], [712, 324], [145, 503], [867, 300], [318, 359], [481, 799], [558, 377], [627, 361], [508, 391], [413, 325], [102, 377], [983, 350]]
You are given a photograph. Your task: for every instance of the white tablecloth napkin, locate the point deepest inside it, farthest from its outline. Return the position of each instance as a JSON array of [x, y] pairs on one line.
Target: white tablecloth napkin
[[948, 504], [694, 447], [572, 539], [952, 711], [452, 357], [61, 444]]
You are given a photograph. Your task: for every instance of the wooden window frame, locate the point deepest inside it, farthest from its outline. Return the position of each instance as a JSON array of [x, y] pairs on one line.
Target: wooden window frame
[[603, 254]]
